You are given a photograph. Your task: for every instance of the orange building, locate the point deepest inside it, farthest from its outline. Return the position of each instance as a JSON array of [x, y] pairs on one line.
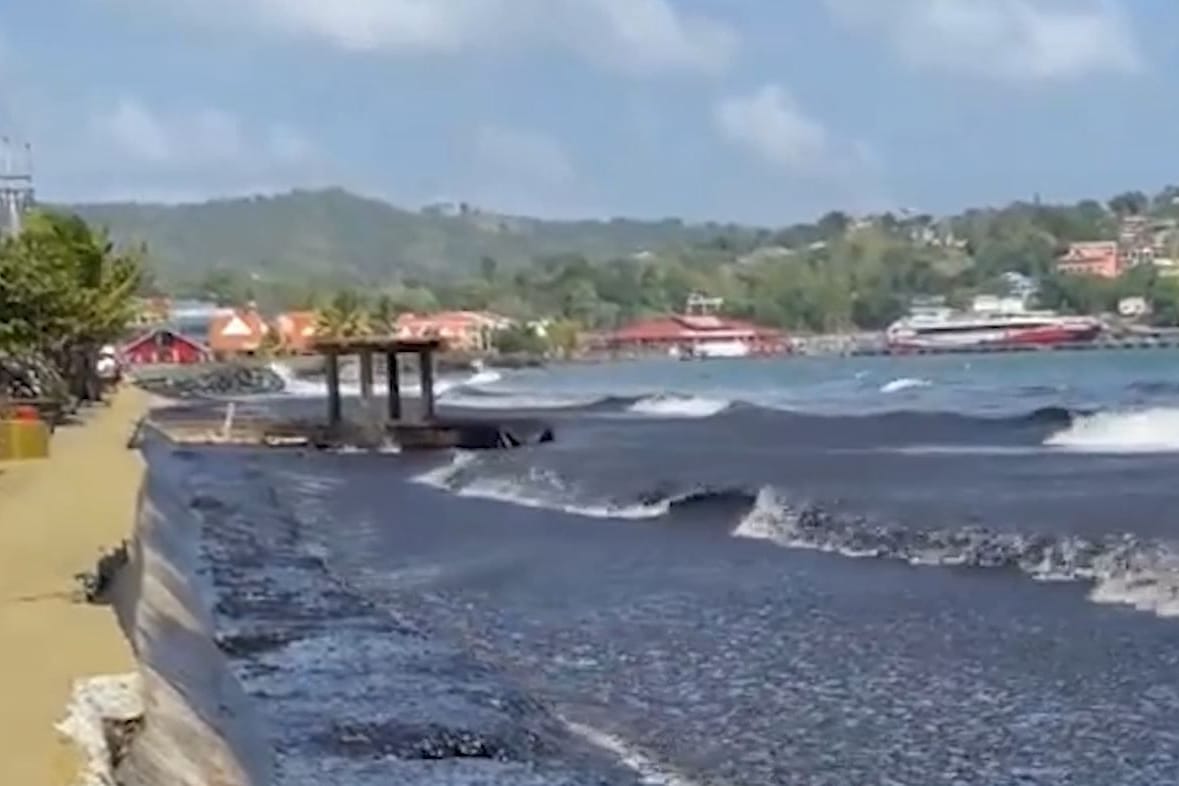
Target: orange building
[[240, 332], [1094, 258], [295, 330]]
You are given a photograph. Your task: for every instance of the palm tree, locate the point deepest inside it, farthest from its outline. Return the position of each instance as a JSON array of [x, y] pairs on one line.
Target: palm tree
[[344, 317], [384, 316]]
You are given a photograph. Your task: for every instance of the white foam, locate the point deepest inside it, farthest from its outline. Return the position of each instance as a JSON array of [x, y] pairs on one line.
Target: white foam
[[668, 406], [1141, 576], [650, 772], [516, 401], [441, 476], [1153, 592], [768, 519], [904, 383], [1145, 431], [305, 388], [541, 489]]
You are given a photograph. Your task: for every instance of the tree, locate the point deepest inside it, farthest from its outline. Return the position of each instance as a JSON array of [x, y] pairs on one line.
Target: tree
[[384, 316], [564, 336], [489, 267], [1131, 203], [519, 339], [834, 225], [64, 291], [344, 317]]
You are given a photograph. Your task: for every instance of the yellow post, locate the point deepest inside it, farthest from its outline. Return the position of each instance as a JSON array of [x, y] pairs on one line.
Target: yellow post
[[23, 439]]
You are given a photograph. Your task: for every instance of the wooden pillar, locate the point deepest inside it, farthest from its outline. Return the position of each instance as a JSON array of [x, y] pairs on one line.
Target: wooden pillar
[[366, 378], [426, 368], [335, 409], [393, 378]]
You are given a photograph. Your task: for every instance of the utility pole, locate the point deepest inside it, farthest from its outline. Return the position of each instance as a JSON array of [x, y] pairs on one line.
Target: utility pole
[[16, 185]]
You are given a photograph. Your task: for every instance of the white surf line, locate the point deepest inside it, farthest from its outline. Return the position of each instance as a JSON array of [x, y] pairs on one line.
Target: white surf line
[[650, 771]]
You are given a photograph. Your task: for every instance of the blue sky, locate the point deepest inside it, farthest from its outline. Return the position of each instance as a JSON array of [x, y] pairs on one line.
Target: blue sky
[[767, 111]]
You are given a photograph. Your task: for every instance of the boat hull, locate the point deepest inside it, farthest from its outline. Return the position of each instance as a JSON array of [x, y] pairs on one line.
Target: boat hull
[[984, 338]]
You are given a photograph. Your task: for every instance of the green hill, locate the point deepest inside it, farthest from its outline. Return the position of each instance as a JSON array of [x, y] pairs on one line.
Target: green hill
[[339, 235]]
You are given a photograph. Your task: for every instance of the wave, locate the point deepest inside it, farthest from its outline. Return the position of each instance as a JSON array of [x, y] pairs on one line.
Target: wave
[[904, 383], [1144, 431], [466, 397], [545, 489], [1123, 569], [296, 387], [672, 406], [663, 405]]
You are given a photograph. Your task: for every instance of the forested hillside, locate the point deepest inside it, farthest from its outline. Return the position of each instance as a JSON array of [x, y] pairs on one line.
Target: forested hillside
[[336, 235], [838, 273]]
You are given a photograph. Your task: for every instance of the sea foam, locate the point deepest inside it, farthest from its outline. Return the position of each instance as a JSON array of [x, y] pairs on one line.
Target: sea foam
[[1145, 431]]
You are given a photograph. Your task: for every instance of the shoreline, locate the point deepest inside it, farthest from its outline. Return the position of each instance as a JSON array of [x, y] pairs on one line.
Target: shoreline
[[56, 517]]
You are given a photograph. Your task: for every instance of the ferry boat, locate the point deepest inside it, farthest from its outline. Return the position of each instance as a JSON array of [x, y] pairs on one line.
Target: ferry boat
[[948, 329]]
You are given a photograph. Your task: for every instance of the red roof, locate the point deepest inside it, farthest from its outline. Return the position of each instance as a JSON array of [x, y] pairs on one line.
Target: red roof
[[150, 337], [691, 328]]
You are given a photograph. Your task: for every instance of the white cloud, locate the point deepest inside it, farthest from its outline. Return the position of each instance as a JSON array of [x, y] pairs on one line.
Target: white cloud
[[524, 154], [134, 134], [130, 148], [771, 124], [628, 35], [1014, 40]]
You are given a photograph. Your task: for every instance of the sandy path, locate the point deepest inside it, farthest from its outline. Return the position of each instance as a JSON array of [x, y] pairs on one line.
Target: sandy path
[[55, 517]]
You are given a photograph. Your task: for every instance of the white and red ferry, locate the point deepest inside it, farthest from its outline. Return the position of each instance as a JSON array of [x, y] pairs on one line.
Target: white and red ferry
[[948, 329]]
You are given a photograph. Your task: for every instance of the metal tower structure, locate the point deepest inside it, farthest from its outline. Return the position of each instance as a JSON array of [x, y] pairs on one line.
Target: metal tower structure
[[16, 185]]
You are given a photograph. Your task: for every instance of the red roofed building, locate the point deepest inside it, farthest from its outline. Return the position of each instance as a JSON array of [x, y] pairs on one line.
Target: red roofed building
[[162, 345], [240, 332], [1096, 258], [696, 335], [296, 329], [464, 331]]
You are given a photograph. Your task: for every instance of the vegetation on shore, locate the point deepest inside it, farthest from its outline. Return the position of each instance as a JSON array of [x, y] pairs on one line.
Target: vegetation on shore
[[65, 290]]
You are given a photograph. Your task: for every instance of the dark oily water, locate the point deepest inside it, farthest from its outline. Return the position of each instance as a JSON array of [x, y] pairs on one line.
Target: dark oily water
[[689, 586]]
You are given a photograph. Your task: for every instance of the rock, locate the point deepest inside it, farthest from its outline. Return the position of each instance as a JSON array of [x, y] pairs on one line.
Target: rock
[[227, 380], [26, 376]]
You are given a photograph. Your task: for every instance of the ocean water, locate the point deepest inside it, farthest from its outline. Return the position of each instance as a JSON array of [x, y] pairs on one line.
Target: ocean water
[[927, 570]]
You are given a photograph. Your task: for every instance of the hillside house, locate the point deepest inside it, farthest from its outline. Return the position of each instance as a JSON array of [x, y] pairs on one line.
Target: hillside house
[[1093, 258]]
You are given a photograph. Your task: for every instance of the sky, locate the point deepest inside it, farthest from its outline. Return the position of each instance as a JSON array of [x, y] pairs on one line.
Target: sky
[[758, 111]]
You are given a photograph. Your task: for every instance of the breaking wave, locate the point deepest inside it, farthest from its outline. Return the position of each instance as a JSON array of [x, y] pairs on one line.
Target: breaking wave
[[1124, 569], [1145, 431], [671, 406], [545, 489], [296, 387], [904, 383]]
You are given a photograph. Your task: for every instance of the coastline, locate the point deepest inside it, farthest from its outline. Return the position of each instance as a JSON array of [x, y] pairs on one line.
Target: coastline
[[56, 516]]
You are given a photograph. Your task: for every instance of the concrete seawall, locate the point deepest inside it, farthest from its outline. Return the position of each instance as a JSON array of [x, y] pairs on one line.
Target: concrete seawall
[[224, 592], [198, 728]]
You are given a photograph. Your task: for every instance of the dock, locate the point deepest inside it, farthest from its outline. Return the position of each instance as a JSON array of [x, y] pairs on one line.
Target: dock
[[1131, 344]]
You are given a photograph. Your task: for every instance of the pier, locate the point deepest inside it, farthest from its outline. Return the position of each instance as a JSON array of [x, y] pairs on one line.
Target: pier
[[1127, 344], [409, 425]]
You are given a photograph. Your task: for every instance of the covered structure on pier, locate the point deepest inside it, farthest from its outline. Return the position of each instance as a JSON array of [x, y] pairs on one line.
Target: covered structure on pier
[[366, 349]]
